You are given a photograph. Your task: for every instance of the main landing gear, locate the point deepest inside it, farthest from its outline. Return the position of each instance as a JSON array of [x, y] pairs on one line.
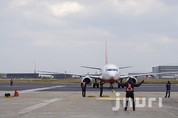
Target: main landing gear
[[96, 84], [119, 86], [111, 86]]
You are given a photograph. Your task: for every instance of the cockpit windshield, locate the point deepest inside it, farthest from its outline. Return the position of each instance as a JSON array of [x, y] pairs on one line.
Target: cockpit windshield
[[111, 70]]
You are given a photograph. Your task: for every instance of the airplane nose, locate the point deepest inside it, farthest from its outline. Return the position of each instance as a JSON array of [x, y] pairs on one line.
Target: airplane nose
[[112, 74]]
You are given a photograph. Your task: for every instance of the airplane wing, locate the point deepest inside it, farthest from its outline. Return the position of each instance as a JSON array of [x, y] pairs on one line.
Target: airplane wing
[[94, 76], [53, 73], [101, 69], [91, 67], [125, 67], [146, 74]]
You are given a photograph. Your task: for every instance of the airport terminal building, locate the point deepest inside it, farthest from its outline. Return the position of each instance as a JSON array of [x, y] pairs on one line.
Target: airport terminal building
[[36, 75], [162, 69], [166, 68], [22, 75]]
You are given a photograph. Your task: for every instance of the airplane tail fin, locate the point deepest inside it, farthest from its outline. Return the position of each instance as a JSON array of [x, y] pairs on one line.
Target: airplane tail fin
[[106, 56]]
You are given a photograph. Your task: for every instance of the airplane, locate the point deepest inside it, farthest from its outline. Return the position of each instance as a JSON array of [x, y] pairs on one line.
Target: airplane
[[110, 73]]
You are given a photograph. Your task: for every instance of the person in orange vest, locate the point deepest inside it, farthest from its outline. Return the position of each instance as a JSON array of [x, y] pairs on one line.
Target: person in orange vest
[[101, 88], [130, 91], [11, 82], [83, 86]]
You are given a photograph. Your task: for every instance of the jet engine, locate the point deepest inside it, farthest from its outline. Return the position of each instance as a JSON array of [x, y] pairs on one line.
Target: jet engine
[[134, 79], [87, 79]]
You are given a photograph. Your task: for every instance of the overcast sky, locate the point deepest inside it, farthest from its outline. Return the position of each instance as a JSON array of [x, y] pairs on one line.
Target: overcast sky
[[62, 35]]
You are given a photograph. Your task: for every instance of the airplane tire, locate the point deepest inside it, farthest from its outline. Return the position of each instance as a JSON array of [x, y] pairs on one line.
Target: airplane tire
[[119, 86], [111, 87], [97, 85], [93, 85]]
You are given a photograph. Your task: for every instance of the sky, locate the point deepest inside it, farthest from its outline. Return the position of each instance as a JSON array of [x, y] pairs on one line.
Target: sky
[[62, 35]]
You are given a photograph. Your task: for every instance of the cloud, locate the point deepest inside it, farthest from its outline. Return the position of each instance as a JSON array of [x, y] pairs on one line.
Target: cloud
[[138, 47], [59, 38], [165, 40], [67, 28], [65, 8], [19, 3], [42, 43], [5, 50], [91, 31], [64, 44], [139, 7]]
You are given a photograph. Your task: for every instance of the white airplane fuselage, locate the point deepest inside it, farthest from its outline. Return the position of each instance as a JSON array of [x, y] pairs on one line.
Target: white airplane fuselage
[[110, 73]]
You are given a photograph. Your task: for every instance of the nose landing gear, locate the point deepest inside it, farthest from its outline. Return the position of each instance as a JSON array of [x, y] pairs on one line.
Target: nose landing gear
[[111, 86]]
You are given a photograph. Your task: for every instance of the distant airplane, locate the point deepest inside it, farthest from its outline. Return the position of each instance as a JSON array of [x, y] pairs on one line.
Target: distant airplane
[[110, 73]]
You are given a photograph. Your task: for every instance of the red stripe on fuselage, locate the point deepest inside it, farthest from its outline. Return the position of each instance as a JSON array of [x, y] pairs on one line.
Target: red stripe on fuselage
[[112, 80]]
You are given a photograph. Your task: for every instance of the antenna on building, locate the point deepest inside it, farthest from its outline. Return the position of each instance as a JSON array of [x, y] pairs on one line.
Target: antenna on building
[[34, 67]]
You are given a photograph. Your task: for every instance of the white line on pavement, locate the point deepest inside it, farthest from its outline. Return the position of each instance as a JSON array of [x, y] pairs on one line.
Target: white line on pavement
[[30, 90], [31, 108], [38, 89]]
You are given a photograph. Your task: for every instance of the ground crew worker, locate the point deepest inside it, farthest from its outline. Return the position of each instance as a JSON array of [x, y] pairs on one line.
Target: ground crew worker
[[83, 85], [101, 88], [168, 88], [11, 82], [130, 91]]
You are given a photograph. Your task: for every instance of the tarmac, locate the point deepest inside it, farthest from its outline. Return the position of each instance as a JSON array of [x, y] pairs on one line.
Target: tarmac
[[42, 103], [76, 87]]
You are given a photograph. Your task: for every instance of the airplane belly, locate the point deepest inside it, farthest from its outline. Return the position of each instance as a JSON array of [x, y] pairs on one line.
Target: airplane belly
[[112, 80]]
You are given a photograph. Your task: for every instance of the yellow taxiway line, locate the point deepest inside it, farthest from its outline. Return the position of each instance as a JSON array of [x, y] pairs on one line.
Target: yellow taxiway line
[[116, 98]]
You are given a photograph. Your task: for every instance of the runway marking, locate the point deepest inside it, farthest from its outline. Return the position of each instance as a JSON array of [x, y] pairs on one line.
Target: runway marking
[[31, 108], [38, 89], [32, 90], [170, 113], [116, 98], [117, 95]]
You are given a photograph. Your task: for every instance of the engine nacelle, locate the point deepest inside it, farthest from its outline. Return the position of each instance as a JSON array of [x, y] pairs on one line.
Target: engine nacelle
[[87, 79], [134, 79]]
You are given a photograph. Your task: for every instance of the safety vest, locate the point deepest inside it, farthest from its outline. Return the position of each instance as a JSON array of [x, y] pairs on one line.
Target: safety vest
[[129, 88], [83, 84]]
